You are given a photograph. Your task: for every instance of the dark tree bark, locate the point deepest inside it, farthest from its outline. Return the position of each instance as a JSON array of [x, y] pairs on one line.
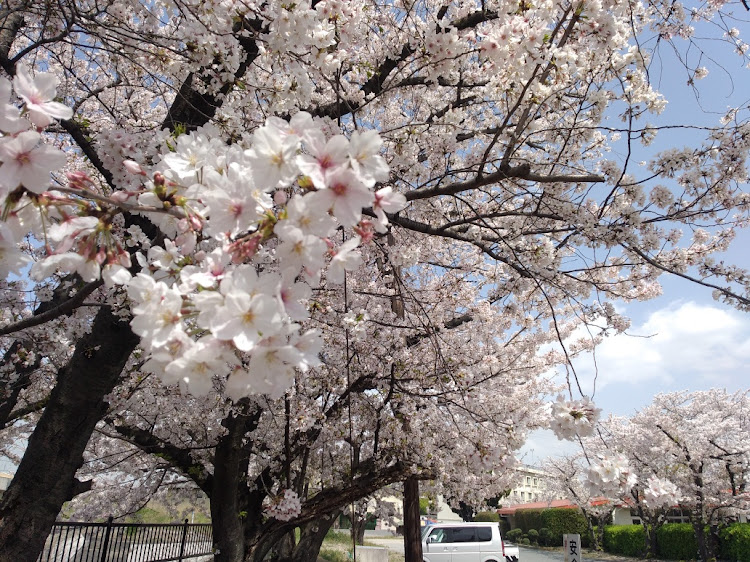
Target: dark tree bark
[[310, 540], [412, 535], [359, 524], [45, 479], [233, 506]]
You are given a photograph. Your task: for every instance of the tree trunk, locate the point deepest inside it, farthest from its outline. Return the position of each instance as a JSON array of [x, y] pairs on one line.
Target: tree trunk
[[45, 479], [230, 499], [359, 525], [412, 535], [592, 533], [704, 552], [310, 540]]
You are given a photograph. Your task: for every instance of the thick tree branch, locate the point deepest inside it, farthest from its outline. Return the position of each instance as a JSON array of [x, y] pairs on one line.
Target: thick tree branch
[[522, 172], [65, 307], [181, 458]]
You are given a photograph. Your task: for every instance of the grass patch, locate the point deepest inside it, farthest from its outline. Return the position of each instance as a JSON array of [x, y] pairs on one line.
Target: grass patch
[[334, 555], [338, 537]]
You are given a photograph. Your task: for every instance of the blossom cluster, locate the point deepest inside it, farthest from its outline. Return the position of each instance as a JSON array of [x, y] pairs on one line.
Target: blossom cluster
[[249, 231], [27, 160], [284, 507], [611, 476], [573, 417], [660, 493]]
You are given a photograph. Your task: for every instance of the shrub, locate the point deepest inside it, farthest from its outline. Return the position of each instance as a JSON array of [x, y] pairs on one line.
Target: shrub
[[628, 540], [514, 535], [491, 516], [525, 541], [545, 536], [533, 536], [676, 541], [735, 542]]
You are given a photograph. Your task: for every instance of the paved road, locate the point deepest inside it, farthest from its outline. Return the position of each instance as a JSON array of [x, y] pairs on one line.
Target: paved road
[[536, 555], [396, 544]]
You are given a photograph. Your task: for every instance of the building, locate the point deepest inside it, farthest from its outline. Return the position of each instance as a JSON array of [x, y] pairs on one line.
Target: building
[[532, 487]]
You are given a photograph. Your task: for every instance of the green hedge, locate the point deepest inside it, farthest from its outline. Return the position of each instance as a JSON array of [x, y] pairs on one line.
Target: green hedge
[[676, 541], [529, 519], [491, 516], [558, 522], [735, 542], [628, 540], [566, 521]]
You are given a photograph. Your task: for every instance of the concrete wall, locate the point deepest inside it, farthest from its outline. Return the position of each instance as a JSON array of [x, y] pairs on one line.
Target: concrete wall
[[372, 554]]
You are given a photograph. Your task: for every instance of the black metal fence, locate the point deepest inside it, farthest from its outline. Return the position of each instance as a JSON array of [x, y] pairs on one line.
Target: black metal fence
[[126, 542]]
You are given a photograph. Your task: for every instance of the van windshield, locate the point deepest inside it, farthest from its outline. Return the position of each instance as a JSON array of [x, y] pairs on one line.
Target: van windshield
[[425, 531]]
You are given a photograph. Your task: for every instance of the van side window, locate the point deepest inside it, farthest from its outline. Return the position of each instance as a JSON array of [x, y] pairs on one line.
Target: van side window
[[464, 534], [440, 535], [484, 534]]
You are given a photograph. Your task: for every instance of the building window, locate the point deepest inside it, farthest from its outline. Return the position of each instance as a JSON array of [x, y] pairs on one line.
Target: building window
[[528, 480], [535, 483], [523, 495]]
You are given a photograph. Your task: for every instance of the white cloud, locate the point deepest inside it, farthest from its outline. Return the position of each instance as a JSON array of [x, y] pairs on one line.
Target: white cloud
[[683, 346]]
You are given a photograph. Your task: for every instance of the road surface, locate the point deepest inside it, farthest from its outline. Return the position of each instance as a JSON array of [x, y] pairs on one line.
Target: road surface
[[396, 544]]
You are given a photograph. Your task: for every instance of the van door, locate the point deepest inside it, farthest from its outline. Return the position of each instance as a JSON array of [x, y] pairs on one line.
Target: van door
[[465, 545], [437, 545]]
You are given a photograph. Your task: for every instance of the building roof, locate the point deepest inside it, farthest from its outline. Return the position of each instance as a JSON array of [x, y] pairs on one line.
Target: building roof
[[557, 504], [511, 509]]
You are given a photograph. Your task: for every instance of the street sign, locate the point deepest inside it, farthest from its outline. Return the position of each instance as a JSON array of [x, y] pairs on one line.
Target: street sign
[[572, 548]]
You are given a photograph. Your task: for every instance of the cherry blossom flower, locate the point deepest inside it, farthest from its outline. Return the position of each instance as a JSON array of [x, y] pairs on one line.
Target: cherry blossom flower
[[611, 476], [345, 197], [235, 205], [661, 493], [158, 316], [364, 148], [307, 218], [345, 259], [88, 268], [273, 157], [39, 93], [326, 156], [12, 259], [284, 507], [10, 117], [571, 418], [28, 162], [386, 201], [115, 274], [195, 369]]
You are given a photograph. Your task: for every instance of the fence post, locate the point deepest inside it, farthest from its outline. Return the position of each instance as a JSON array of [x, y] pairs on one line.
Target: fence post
[[184, 536], [106, 539]]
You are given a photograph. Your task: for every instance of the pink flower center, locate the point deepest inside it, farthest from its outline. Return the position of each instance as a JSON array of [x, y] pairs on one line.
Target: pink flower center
[[325, 162], [339, 189], [236, 209]]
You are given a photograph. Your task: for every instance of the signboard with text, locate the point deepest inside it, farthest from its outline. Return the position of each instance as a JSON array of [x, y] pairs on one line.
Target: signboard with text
[[572, 548]]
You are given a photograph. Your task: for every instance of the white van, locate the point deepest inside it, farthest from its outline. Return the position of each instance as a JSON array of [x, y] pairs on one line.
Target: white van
[[463, 542]]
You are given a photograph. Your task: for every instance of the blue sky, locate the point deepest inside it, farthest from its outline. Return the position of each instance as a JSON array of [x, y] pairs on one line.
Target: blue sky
[[683, 340]]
